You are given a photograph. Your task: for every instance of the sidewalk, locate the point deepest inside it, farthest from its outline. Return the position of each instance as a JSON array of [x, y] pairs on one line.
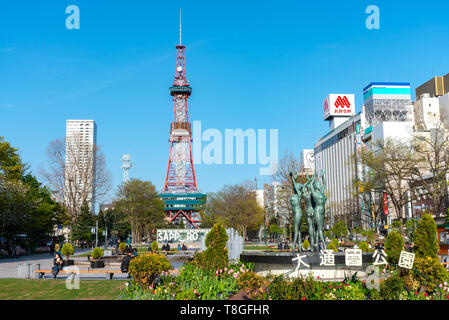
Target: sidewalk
[[9, 266]]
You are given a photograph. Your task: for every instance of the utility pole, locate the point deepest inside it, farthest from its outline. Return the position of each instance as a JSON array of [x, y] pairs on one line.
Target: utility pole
[[96, 234]]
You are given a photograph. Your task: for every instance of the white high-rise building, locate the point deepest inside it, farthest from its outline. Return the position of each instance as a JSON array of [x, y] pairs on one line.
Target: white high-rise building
[[79, 175]]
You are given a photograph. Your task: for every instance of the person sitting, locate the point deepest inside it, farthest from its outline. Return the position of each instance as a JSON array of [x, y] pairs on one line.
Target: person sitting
[[280, 245], [124, 266], [58, 264], [286, 246], [167, 247], [179, 247], [184, 247]]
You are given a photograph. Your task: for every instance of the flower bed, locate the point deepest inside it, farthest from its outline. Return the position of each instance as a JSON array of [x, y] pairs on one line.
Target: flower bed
[[193, 283]]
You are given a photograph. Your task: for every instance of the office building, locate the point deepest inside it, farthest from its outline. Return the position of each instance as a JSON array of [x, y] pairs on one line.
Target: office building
[[79, 175], [387, 101], [435, 87]]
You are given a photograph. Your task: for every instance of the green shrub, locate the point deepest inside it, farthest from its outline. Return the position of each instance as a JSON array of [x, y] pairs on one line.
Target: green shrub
[[394, 244], [426, 243], [306, 244], [145, 268], [392, 287], [122, 247], [364, 246], [154, 246], [97, 253], [216, 254], [333, 245], [351, 291], [67, 250], [252, 283], [300, 288], [429, 272]]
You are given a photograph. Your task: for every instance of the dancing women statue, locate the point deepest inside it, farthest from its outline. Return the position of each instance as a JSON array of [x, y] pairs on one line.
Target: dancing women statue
[[315, 200], [295, 201]]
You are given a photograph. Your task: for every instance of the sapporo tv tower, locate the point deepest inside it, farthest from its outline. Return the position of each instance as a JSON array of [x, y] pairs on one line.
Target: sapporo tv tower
[[180, 194]]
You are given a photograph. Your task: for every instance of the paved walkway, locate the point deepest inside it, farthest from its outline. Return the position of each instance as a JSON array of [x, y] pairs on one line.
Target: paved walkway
[[9, 267]]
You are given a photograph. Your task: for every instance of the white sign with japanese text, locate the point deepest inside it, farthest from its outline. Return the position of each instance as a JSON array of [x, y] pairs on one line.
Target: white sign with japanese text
[[353, 257]]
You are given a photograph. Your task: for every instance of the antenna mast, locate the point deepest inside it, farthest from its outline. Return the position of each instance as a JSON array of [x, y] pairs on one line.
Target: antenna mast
[[180, 27]]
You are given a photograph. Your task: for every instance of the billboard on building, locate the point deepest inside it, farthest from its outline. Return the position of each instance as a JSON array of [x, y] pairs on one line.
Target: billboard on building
[[339, 105], [307, 159]]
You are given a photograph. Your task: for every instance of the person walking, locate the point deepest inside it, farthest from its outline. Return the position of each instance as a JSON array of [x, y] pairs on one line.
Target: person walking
[[17, 250], [57, 247]]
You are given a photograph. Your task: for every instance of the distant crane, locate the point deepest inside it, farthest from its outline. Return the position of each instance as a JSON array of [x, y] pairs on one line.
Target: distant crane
[[127, 164]]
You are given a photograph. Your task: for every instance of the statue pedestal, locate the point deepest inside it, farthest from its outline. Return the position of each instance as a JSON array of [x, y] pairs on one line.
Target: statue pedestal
[[278, 263]]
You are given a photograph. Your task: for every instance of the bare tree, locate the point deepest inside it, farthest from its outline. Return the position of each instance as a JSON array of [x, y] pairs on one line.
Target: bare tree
[[431, 172], [283, 191], [236, 206], [76, 173], [391, 164]]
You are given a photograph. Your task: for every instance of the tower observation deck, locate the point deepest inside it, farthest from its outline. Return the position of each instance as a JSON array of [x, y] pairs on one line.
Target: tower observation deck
[[180, 194]]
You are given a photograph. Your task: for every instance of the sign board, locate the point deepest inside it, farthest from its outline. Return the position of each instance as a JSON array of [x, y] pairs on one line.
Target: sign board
[[406, 260], [353, 257], [385, 201], [180, 235], [339, 105], [307, 159]]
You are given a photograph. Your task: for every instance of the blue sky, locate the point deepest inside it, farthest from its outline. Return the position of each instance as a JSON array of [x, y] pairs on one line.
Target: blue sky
[[252, 64]]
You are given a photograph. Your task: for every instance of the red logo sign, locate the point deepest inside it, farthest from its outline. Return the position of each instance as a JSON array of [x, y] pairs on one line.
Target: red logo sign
[[342, 102], [326, 106]]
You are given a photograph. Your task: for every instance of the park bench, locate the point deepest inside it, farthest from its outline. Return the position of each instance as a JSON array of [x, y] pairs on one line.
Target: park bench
[[109, 273]]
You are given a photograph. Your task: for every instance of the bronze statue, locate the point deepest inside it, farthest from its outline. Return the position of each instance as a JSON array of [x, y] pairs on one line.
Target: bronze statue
[[310, 217], [295, 201], [315, 199], [319, 199]]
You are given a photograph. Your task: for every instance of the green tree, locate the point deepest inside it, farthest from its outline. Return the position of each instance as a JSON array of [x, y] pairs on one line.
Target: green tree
[[410, 228], [236, 206], [426, 242], [394, 244], [115, 222], [340, 229], [11, 165], [142, 207], [83, 225], [26, 206]]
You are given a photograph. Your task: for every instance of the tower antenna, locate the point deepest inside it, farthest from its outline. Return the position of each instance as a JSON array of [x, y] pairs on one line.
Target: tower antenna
[[180, 29]]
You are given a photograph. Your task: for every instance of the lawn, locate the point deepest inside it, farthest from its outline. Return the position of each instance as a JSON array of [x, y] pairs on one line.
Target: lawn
[[55, 289]]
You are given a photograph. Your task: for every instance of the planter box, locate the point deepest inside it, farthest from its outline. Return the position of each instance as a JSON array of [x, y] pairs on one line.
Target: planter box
[[69, 263], [97, 264]]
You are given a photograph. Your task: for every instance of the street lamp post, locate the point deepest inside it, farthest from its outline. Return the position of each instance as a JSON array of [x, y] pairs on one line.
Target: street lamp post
[[96, 234], [106, 237]]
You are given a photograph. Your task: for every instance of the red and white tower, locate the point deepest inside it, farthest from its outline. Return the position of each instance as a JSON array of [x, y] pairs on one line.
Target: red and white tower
[[180, 192]]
